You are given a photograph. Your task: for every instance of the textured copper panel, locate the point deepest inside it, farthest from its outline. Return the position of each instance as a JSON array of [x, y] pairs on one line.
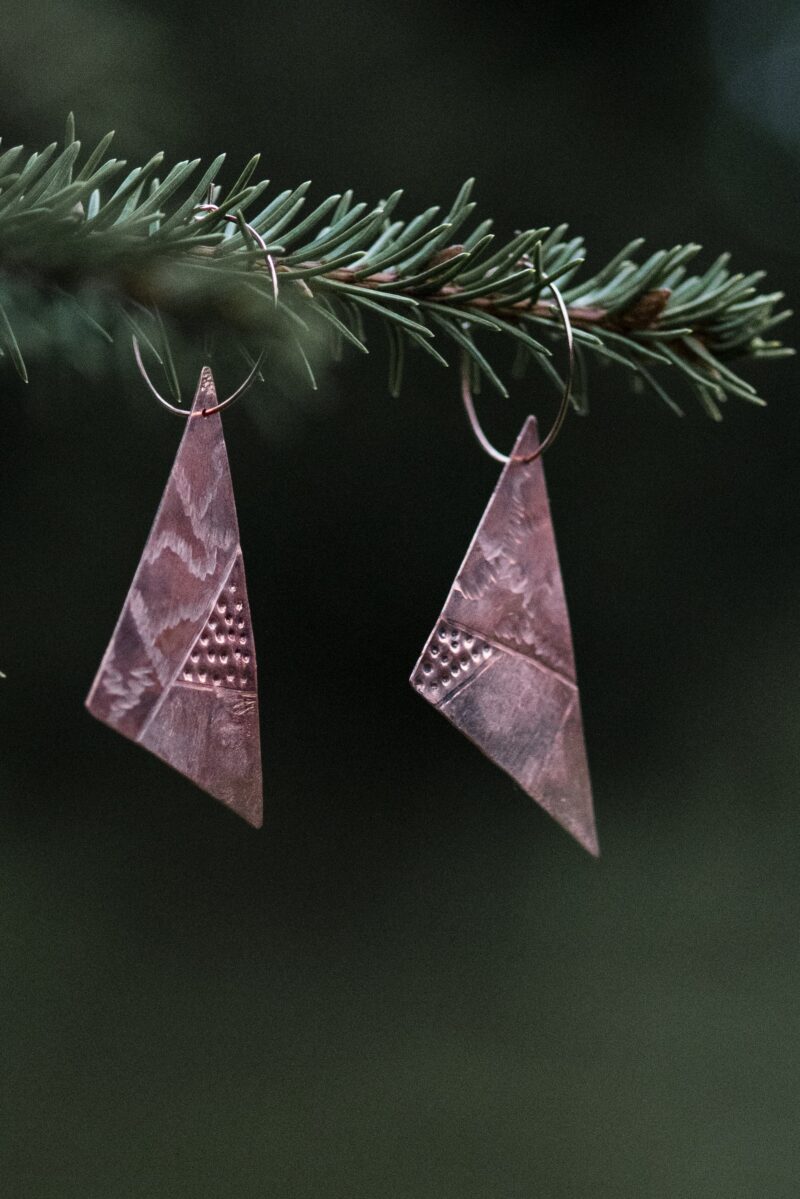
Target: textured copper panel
[[448, 660], [207, 735], [179, 675], [223, 655], [499, 663]]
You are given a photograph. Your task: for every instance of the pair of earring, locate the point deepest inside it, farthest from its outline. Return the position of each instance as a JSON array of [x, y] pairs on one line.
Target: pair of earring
[[179, 675]]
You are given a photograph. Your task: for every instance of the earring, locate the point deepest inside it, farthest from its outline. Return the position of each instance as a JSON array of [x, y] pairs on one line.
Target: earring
[[499, 662], [179, 675]]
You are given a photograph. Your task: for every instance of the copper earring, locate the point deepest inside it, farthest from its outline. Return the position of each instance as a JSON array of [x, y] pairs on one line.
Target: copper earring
[[179, 675], [499, 663]]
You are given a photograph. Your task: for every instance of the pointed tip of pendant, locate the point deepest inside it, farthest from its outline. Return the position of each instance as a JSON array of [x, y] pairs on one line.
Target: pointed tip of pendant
[[528, 440], [577, 819], [206, 394], [589, 842], [254, 818]]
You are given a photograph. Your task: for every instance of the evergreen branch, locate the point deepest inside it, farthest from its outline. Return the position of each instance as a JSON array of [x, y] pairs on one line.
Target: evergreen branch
[[90, 248]]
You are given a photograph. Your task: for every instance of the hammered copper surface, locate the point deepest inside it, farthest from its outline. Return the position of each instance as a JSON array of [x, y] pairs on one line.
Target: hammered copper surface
[[179, 676], [499, 663]]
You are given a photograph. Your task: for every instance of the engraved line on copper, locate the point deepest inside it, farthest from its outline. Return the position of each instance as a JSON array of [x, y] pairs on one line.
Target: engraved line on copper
[[510, 649], [216, 687], [569, 709], [534, 661]]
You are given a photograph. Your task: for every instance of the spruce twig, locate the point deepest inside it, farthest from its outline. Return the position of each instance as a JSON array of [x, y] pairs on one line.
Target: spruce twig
[[121, 250]]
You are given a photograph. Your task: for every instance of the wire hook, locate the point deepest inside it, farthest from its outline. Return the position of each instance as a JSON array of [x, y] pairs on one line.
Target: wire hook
[[226, 403], [469, 403], [259, 240]]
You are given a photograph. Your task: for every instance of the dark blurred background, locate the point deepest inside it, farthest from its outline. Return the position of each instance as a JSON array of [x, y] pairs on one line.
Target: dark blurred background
[[413, 984]]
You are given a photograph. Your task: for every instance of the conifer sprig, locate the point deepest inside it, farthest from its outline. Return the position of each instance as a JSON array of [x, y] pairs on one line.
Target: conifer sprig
[[88, 247]]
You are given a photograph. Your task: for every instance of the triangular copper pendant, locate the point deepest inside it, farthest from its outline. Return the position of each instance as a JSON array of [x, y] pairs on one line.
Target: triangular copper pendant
[[179, 676], [499, 663]]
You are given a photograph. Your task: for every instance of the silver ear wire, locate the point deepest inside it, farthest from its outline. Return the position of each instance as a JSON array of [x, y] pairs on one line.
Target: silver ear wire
[[226, 403], [469, 403], [257, 238]]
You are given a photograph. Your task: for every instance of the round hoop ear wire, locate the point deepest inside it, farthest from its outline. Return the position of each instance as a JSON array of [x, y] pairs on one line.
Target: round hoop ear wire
[[226, 403], [259, 240], [469, 403]]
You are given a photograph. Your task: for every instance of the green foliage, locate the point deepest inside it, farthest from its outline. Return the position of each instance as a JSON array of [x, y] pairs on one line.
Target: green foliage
[[90, 248]]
